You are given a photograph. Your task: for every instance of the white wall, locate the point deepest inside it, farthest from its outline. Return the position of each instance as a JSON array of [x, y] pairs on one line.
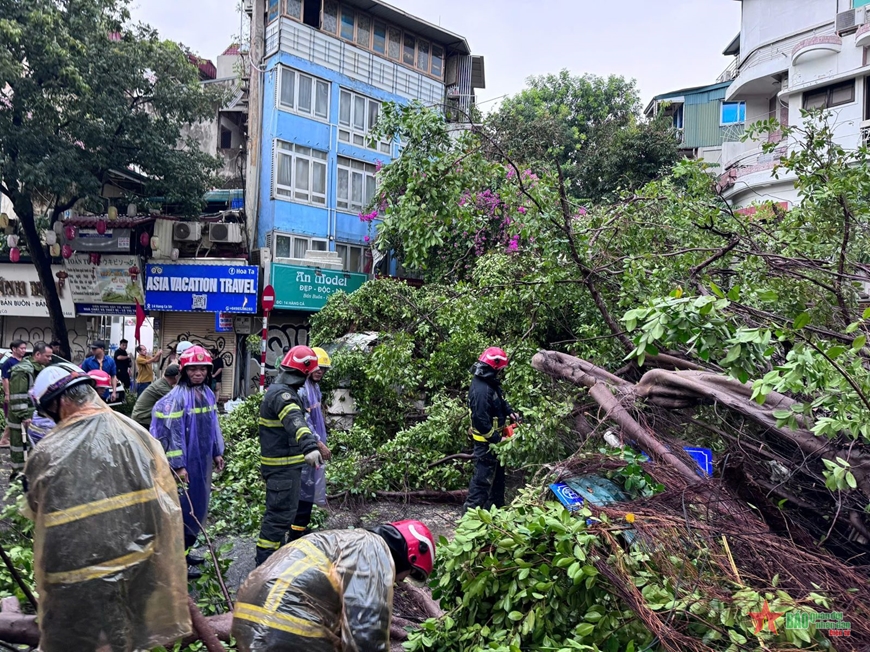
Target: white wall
[[764, 21]]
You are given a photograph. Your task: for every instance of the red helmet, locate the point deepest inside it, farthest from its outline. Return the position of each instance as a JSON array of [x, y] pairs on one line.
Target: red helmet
[[494, 357], [195, 356], [421, 548], [103, 380], [300, 358]]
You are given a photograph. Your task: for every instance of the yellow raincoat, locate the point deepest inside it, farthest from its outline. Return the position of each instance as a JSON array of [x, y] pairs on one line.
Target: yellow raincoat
[[327, 592], [108, 551]]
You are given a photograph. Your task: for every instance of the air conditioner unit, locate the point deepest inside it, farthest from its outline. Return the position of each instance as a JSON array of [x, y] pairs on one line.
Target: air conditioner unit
[[225, 232], [187, 232], [846, 21]]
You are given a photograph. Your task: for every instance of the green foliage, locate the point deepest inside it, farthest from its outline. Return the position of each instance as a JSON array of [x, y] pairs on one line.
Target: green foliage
[[16, 537], [527, 578]]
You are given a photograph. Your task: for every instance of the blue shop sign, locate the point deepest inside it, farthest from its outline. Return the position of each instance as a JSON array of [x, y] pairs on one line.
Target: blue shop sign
[[201, 288]]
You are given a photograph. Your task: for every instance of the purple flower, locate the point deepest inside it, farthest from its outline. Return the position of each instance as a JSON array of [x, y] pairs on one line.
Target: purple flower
[[522, 210], [514, 243], [581, 211], [366, 239], [378, 165]]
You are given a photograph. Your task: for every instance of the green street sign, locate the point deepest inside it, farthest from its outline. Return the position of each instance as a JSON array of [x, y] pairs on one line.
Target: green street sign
[[308, 288]]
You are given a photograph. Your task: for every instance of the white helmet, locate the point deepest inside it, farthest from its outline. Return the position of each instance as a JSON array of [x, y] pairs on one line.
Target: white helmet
[[181, 347], [55, 380]]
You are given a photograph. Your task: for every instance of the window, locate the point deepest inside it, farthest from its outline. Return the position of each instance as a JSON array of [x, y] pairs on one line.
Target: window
[[300, 173], [409, 50], [303, 94], [346, 24], [293, 8], [733, 113], [330, 16], [226, 138], [311, 15], [437, 61], [274, 9], [395, 50], [294, 246], [828, 97], [352, 256], [380, 42], [363, 31], [356, 184], [357, 116], [423, 56]]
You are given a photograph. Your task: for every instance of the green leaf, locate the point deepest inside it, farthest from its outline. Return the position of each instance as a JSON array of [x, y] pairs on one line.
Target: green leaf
[[768, 295], [859, 342], [584, 629], [734, 293], [836, 351], [782, 414], [866, 313], [850, 480], [515, 616], [717, 290], [801, 320]]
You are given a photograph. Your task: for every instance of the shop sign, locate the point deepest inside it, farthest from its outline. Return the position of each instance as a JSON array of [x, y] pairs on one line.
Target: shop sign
[[22, 293], [201, 288], [117, 240], [107, 288], [308, 288], [223, 322]]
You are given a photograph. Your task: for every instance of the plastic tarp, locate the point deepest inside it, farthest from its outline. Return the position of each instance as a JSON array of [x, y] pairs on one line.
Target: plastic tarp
[[108, 552], [314, 480], [327, 592]]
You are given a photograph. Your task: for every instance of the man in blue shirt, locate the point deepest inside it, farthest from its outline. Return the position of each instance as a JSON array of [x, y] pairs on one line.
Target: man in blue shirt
[[98, 360]]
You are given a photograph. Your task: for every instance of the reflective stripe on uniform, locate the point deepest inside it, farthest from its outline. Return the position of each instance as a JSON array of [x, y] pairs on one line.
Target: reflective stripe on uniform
[[208, 408], [312, 558], [477, 437], [14, 426], [62, 517], [104, 569], [17, 449], [171, 415], [283, 622], [19, 397], [174, 453], [269, 545], [298, 528], [287, 410], [282, 461], [302, 432], [21, 406], [271, 423]]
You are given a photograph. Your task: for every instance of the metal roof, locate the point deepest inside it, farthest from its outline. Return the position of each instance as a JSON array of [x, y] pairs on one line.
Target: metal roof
[[733, 47], [388, 13]]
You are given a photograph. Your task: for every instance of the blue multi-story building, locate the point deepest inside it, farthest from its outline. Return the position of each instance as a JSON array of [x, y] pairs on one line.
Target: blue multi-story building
[[328, 69]]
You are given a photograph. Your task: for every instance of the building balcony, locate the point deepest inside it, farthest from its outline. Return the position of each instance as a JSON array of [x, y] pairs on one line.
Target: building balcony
[[816, 47], [302, 41]]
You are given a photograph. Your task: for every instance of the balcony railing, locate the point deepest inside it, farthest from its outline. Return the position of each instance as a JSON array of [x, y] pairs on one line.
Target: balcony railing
[[730, 72]]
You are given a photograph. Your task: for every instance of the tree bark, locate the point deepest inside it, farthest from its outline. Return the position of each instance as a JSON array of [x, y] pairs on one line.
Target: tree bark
[[24, 209], [202, 629]]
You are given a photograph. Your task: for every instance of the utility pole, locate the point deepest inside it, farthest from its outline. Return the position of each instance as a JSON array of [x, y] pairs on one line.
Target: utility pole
[[255, 119]]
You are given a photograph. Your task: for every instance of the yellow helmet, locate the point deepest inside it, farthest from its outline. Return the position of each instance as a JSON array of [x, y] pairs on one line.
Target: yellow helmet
[[323, 360]]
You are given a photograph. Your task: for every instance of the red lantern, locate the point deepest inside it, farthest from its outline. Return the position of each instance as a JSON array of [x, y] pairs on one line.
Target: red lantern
[[101, 226], [70, 232], [61, 278], [95, 259], [66, 251], [134, 272], [15, 254], [144, 239]]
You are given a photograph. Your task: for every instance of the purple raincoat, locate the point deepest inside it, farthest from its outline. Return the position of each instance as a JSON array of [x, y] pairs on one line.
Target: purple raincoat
[[185, 422], [313, 480]]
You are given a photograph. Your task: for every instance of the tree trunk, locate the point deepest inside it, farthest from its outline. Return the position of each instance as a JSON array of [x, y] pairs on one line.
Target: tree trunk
[[41, 260]]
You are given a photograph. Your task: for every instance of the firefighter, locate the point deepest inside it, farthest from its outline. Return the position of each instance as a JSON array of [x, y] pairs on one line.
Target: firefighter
[[491, 416], [331, 591], [107, 537], [186, 424], [313, 490], [20, 408], [286, 443]]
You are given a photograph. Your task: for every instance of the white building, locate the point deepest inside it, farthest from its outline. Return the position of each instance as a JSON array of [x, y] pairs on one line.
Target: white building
[[794, 54]]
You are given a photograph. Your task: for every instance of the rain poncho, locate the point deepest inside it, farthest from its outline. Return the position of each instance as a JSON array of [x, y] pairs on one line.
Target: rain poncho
[[185, 422], [108, 550], [39, 427], [329, 592], [313, 480]]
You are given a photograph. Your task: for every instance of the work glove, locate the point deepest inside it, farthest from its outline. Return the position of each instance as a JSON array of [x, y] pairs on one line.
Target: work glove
[[314, 458]]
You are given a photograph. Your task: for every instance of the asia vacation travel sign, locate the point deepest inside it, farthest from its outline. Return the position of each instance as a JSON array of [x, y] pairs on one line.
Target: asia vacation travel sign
[[308, 288], [201, 288]]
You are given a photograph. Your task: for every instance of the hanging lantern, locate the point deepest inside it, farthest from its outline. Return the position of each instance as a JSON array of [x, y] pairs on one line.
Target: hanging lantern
[[113, 212], [12, 240], [144, 239], [134, 272], [66, 251], [57, 227], [101, 226], [4, 220], [70, 232], [61, 278], [54, 250], [174, 254], [132, 210], [155, 243], [95, 259], [15, 254], [50, 238]]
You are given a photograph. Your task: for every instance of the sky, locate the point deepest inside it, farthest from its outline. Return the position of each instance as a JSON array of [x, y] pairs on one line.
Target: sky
[[665, 45]]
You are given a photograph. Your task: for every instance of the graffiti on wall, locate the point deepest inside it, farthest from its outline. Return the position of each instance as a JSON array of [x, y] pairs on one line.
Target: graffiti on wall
[[78, 342], [217, 341], [280, 334]]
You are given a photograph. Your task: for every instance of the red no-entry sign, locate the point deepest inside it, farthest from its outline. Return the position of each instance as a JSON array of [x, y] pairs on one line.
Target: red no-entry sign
[[268, 299]]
